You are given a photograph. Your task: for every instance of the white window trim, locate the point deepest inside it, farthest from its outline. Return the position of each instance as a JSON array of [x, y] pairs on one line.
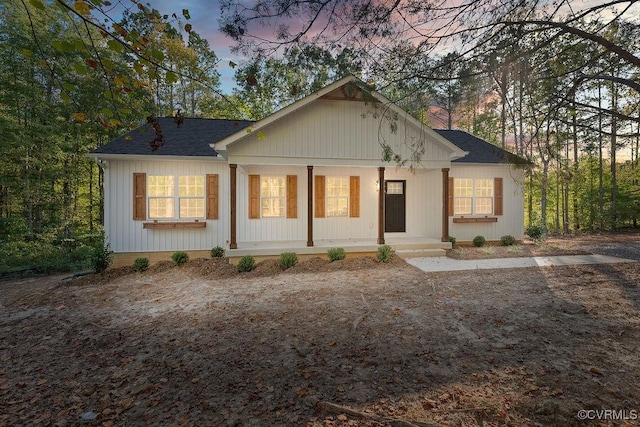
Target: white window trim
[[176, 199], [283, 213], [473, 198], [328, 197]]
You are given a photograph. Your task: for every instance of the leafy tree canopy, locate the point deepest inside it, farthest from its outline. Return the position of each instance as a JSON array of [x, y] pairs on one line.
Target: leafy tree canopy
[[398, 34], [131, 46]]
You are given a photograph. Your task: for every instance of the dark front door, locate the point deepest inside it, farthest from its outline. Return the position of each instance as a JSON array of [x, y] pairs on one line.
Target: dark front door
[[395, 211]]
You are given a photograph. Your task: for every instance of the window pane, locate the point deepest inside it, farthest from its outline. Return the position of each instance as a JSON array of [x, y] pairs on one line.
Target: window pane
[[337, 187], [462, 187], [484, 188], [462, 206], [161, 186], [161, 207], [337, 206], [394, 188], [484, 205], [272, 192], [272, 207], [191, 186], [272, 186], [337, 196], [191, 208]]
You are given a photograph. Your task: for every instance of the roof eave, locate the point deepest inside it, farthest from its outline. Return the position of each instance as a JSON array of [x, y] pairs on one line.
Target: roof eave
[[120, 156], [459, 154]]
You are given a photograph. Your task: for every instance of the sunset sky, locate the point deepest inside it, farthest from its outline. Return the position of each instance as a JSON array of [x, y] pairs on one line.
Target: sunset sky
[[205, 15], [204, 18]]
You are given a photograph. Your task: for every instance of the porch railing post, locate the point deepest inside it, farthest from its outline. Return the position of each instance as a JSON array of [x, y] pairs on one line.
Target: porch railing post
[[381, 205], [309, 205], [445, 205], [232, 202]]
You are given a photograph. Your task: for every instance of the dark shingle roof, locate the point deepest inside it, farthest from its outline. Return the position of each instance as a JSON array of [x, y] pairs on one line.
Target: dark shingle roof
[[192, 138], [480, 151]]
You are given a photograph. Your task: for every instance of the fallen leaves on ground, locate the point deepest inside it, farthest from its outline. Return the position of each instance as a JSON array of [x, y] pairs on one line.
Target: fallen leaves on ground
[[382, 344]]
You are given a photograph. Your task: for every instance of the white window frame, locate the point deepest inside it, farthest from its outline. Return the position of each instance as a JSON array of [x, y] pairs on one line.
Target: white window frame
[[473, 196], [334, 199], [272, 198], [177, 191]]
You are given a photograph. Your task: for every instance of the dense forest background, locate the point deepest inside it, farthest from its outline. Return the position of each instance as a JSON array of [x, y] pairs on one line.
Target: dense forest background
[[70, 83]]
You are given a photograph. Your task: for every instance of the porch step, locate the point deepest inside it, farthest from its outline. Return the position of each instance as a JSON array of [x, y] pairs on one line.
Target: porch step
[[400, 246], [420, 253]]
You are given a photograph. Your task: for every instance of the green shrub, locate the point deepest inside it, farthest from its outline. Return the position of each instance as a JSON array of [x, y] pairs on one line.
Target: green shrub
[[180, 257], [101, 256], [247, 263], [40, 257], [47, 253], [508, 240], [217, 252], [452, 240], [336, 254], [384, 253], [141, 264], [288, 259], [479, 241], [534, 231], [81, 254]]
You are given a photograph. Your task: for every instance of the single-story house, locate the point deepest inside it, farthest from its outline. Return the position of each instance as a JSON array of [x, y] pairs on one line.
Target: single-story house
[[321, 172]]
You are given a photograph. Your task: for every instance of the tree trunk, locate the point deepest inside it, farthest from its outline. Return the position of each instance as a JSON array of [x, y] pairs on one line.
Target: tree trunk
[[592, 213], [614, 148], [503, 109], [543, 195], [566, 180], [91, 213], [66, 200], [558, 202], [576, 183], [634, 165], [600, 161]]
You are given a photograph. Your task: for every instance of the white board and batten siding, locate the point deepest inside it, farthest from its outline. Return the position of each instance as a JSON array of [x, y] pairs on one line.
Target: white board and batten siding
[[126, 235], [423, 201], [270, 229], [292, 229], [340, 139], [365, 226], [424, 218], [334, 133], [511, 221]]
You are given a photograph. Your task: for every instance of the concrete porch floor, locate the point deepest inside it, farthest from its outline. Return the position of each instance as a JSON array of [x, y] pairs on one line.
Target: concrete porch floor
[[406, 247]]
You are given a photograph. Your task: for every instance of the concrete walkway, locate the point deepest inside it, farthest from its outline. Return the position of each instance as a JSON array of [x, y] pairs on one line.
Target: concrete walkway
[[449, 264]]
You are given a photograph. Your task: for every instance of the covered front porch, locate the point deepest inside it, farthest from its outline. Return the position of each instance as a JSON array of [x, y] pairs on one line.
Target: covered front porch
[[308, 228], [319, 170]]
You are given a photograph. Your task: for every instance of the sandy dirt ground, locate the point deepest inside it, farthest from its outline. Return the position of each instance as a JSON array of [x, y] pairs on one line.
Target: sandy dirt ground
[[351, 343]]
